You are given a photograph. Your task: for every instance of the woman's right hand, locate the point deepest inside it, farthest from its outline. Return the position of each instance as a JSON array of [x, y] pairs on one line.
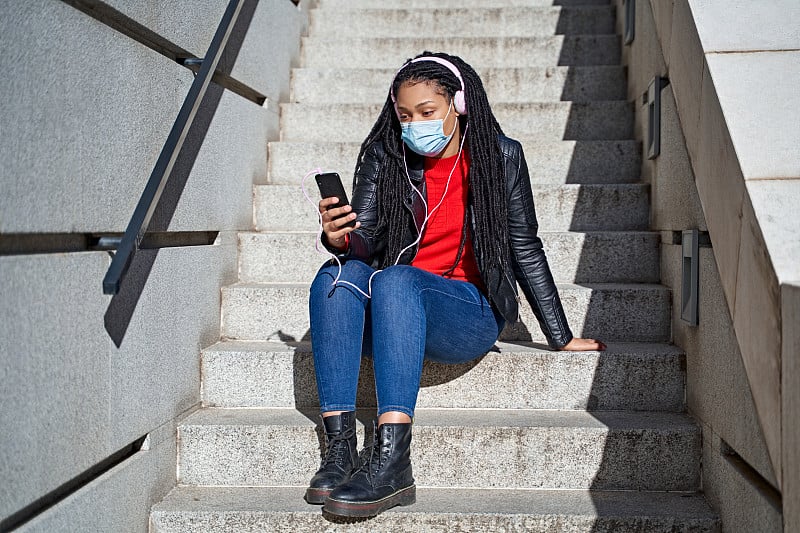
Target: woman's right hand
[[333, 220]]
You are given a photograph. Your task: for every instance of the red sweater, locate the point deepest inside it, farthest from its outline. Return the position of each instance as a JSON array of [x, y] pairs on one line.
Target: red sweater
[[442, 234]]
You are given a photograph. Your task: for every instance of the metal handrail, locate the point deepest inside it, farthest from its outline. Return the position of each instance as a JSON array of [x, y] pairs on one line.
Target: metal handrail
[[137, 227]]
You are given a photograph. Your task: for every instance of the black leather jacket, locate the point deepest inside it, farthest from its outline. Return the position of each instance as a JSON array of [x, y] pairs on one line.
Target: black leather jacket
[[528, 261]]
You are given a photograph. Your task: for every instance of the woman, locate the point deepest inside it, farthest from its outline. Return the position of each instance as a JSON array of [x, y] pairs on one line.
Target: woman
[[444, 230]]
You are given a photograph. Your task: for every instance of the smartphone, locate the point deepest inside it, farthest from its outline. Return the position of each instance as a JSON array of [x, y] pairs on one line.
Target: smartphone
[[331, 185]]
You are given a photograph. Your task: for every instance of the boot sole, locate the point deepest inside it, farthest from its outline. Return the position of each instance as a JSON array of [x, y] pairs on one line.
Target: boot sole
[[406, 496], [317, 496]]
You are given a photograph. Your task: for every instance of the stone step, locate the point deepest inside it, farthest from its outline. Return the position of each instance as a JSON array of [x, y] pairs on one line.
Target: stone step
[[508, 448], [627, 376], [610, 312], [553, 162], [593, 257], [425, 4], [388, 52], [513, 21], [551, 121], [226, 509], [503, 85], [569, 207]]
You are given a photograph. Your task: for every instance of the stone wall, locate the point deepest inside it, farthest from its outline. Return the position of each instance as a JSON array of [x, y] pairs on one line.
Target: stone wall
[[720, 146], [86, 110]]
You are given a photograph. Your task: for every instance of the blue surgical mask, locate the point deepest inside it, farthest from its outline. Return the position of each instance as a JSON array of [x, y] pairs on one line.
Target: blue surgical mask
[[426, 137]]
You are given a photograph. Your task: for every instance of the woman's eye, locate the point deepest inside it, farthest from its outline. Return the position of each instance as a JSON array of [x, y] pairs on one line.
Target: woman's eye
[[427, 113]]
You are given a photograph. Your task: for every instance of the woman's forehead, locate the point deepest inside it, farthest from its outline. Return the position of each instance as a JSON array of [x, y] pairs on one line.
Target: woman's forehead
[[413, 92]]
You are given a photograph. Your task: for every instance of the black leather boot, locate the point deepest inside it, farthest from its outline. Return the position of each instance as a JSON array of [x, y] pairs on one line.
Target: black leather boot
[[384, 478], [340, 459]]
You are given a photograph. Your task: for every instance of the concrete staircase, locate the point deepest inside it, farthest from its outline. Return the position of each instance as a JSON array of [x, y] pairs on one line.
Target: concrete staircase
[[524, 439]]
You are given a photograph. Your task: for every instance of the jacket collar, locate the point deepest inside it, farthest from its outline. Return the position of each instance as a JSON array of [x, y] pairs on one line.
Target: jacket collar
[[416, 166]]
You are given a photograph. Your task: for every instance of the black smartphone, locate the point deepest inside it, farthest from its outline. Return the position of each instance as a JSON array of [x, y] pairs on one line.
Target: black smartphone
[[331, 185]]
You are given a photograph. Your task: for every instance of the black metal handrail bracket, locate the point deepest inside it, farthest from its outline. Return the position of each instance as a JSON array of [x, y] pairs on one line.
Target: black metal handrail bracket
[[137, 227]]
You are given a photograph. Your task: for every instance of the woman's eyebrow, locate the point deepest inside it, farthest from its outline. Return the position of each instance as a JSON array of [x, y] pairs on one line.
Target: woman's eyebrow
[[426, 102]]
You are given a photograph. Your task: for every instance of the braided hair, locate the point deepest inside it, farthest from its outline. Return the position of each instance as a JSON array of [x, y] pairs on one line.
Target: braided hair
[[486, 175]]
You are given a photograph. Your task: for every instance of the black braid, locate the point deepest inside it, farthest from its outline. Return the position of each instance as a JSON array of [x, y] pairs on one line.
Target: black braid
[[486, 176]]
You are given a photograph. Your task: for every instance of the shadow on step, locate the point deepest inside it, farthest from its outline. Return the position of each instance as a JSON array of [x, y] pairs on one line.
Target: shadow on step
[[646, 444], [306, 399]]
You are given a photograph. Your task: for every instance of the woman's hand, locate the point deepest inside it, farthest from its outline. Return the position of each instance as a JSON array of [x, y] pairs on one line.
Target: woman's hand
[[333, 228], [583, 345]]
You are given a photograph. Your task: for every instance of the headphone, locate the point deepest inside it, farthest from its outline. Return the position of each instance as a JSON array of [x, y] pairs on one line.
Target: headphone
[[459, 101]]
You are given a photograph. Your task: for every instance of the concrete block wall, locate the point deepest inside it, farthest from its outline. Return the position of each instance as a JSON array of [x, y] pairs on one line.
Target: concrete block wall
[[726, 167], [86, 110]]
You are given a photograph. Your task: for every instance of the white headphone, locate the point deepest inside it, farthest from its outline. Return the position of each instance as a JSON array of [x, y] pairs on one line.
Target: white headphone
[[459, 101]]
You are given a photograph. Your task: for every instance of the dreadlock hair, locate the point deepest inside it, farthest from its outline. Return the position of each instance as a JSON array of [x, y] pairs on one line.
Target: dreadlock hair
[[486, 175]]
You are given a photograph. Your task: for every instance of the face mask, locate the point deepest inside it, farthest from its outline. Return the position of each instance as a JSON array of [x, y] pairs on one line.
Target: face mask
[[426, 137]]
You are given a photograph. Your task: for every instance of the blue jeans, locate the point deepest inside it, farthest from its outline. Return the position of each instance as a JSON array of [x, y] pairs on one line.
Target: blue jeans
[[413, 315]]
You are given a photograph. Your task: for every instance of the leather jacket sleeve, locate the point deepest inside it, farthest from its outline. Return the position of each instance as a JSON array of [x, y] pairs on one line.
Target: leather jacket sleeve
[[528, 258], [364, 202]]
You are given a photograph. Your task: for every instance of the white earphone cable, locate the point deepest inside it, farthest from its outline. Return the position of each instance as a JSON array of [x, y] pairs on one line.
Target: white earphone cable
[[318, 241], [444, 194]]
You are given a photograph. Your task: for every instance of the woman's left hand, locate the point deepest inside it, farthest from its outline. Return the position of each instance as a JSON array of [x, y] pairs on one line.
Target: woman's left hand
[[583, 345]]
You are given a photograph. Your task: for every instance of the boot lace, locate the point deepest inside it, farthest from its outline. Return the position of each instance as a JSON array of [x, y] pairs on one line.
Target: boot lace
[[337, 450], [372, 457]]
